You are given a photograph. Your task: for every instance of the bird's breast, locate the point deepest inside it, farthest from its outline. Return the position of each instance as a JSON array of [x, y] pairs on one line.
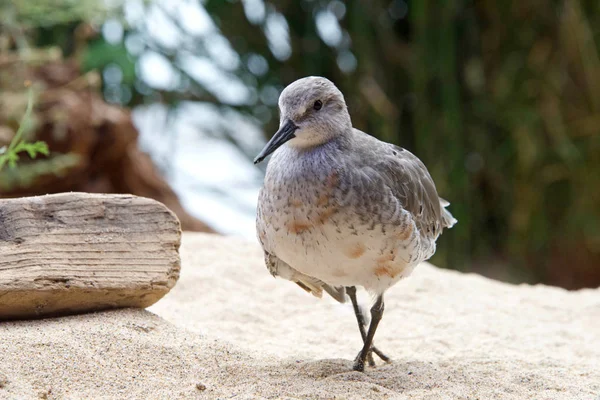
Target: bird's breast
[[307, 207], [320, 224]]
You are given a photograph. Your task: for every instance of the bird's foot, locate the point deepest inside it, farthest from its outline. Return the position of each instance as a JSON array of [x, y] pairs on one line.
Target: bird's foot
[[370, 359], [380, 354], [359, 362]]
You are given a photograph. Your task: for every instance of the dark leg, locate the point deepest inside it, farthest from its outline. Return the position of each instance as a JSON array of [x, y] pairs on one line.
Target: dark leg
[[376, 314], [351, 290]]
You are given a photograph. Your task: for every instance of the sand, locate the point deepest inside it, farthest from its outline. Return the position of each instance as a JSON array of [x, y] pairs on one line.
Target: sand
[[230, 330]]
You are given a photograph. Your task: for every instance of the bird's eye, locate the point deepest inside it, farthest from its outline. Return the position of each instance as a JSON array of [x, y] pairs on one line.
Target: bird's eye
[[318, 104]]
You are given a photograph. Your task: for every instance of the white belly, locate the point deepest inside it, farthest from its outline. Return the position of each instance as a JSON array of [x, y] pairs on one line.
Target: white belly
[[342, 252]]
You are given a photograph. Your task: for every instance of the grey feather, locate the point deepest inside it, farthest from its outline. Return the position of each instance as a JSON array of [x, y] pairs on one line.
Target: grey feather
[[409, 181]]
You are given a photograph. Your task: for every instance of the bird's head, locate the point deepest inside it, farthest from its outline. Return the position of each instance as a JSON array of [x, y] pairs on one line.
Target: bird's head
[[312, 112]]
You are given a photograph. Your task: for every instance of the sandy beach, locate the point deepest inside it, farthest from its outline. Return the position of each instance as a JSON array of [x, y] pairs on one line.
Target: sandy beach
[[230, 330]]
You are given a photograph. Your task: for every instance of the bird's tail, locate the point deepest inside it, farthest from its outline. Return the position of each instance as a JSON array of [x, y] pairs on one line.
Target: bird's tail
[[448, 220]]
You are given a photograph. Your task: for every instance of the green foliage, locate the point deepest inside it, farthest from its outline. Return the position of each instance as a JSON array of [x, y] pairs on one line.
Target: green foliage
[[505, 125], [10, 155], [53, 13], [26, 174]]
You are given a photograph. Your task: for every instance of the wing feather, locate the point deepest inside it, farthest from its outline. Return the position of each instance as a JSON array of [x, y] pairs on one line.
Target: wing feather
[[408, 180], [411, 182]]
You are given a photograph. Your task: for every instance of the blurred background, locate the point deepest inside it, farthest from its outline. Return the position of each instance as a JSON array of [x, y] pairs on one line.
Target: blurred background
[[172, 99]]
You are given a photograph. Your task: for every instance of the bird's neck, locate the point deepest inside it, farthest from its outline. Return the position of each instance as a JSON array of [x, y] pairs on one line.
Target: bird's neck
[[316, 149], [291, 167], [312, 139]]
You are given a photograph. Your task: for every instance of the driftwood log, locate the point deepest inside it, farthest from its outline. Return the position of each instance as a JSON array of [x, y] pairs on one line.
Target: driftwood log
[[75, 252]]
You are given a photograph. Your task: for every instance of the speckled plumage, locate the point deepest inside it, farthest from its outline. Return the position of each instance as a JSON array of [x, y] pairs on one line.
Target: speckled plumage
[[353, 211], [340, 208]]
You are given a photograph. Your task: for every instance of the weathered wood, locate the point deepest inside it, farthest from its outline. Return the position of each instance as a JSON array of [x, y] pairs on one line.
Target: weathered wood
[[77, 252]]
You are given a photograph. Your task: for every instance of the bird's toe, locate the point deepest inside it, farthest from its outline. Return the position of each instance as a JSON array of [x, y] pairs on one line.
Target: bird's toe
[[359, 366], [359, 363]]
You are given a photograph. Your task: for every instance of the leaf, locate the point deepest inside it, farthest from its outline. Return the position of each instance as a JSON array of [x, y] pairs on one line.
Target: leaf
[[42, 148], [33, 149], [12, 159]]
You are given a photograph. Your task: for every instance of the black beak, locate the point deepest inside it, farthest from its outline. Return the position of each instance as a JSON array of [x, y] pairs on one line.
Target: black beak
[[285, 133]]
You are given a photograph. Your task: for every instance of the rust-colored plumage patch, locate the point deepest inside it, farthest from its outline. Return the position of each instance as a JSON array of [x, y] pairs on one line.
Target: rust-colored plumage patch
[[296, 203], [406, 234], [386, 258], [383, 266], [323, 200], [324, 208], [382, 270], [356, 250], [330, 183], [325, 215], [332, 180], [297, 227]]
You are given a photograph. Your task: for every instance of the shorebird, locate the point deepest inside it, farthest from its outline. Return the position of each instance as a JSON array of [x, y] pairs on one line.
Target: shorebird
[[341, 209]]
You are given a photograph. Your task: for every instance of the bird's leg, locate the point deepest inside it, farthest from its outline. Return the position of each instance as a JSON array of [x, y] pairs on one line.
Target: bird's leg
[[351, 290], [376, 314]]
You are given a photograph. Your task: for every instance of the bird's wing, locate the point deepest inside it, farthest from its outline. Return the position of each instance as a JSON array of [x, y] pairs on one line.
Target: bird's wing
[[408, 180], [411, 183]]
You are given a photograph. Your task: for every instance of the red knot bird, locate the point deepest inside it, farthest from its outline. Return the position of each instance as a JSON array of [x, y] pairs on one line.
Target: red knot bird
[[341, 209]]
